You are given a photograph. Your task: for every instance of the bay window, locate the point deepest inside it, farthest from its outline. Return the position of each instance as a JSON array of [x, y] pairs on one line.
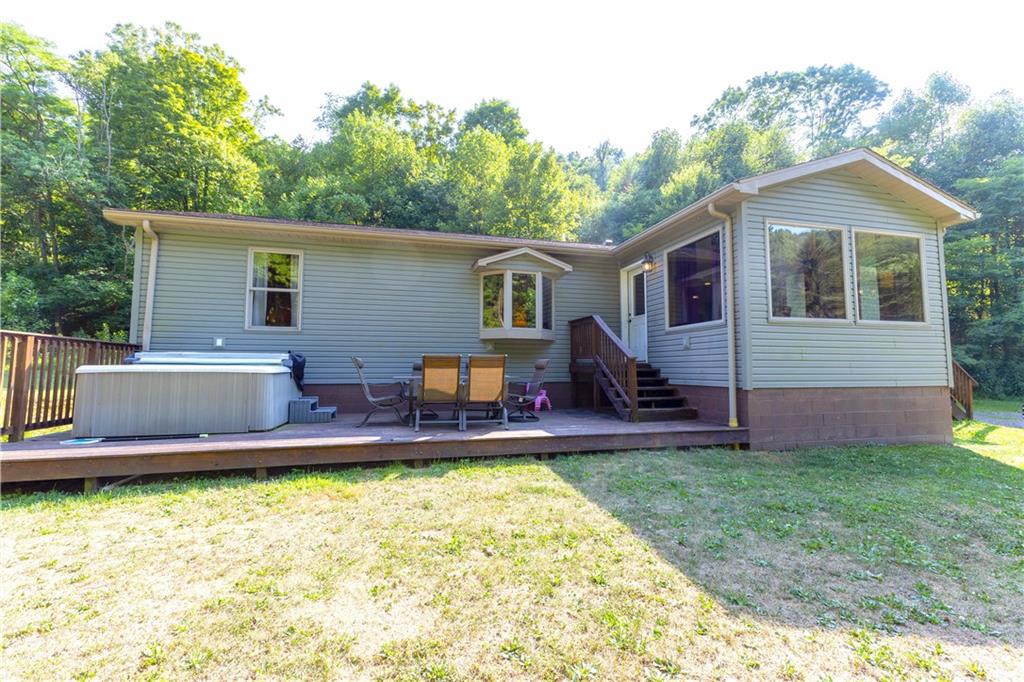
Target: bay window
[[516, 305]]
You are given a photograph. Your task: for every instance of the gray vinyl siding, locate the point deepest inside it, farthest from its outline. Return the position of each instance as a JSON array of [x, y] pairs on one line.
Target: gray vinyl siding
[[705, 362], [791, 354], [383, 301]]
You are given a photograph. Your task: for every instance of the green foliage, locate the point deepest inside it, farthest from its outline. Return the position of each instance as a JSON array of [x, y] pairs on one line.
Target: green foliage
[[821, 105], [496, 116], [156, 120]]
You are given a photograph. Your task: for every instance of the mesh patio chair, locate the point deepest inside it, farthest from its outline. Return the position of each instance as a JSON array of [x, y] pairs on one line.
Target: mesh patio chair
[[440, 387], [392, 399], [522, 396], [485, 390]]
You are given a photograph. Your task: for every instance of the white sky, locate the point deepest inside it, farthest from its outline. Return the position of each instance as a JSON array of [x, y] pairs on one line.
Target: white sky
[[579, 72]]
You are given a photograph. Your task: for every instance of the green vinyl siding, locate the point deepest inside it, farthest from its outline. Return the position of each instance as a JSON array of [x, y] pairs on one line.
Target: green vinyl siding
[[797, 354], [383, 301]]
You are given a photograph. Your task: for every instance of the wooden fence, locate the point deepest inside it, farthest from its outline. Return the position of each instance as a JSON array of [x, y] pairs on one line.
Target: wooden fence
[[37, 383]]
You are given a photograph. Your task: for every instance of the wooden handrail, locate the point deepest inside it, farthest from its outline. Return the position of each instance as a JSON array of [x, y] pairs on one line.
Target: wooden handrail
[[963, 388], [592, 339], [37, 373]]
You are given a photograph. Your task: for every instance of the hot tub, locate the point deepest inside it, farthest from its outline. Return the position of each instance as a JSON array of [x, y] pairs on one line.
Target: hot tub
[[183, 394]]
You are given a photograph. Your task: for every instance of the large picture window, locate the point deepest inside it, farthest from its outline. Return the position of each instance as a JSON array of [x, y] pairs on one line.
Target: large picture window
[[516, 305], [806, 268], [274, 293], [694, 282], [889, 286]]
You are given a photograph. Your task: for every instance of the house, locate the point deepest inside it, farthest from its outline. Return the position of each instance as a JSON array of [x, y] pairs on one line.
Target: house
[[806, 304]]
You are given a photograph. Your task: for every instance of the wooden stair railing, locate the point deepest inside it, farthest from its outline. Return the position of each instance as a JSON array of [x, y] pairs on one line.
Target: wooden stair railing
[[614, 363], [963, 389]]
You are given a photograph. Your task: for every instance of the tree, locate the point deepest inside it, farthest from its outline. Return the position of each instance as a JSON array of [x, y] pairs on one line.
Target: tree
[[52, 234], [985, 267], [917, 125], [821, 105], [172, 114], [496, 116], [515, 189]]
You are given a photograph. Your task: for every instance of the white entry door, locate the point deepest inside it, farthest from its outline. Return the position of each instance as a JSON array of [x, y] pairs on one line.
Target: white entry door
[[636, 312]]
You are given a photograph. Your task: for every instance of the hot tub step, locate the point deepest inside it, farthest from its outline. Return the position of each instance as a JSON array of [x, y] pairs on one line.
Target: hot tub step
[[307, 410]]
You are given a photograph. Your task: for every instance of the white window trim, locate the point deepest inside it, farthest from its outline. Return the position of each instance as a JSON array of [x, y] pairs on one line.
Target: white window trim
[[917, 324], [507, 331], [848, 320], [249, 288], [695, 237]]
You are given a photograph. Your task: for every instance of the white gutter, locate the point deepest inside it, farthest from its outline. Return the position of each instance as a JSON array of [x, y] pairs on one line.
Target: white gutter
[[730, 317], [147, 318]]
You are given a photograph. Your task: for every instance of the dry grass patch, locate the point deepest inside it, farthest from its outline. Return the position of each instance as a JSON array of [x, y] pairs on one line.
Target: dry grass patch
[[863, 562]]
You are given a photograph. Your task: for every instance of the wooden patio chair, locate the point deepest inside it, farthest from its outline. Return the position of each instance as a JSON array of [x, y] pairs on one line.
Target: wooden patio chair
[[485, 390], [392, 399], [440, 387], [522, 396]]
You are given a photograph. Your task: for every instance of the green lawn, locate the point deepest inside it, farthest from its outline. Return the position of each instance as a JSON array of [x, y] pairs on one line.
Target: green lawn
[[1011, 406], [876, 562]]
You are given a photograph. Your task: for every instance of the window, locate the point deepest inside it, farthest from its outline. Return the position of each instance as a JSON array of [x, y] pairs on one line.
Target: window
[[694, 282], [807, 272], [524, 300], [274, 289], [889, 286], [639, 294], [494, 301], [516, 305], [547, 297]]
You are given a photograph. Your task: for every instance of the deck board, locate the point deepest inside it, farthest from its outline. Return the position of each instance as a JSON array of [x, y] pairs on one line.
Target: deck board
[[339, 442]]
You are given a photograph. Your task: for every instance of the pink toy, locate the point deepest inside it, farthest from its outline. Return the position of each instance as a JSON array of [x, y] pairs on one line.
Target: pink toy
[[541, 399]]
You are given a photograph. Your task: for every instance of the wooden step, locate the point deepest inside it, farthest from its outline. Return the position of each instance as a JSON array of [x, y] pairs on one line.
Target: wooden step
[[655, 414], [662, 401], [655, 391], [647, 382]]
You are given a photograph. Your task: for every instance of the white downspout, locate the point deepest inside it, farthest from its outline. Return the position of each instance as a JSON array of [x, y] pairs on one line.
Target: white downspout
[[147, 317], [730, 318]]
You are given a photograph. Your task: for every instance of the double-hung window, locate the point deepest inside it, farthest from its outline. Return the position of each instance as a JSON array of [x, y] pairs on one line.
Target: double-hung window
[[693, 281], [274, 289]]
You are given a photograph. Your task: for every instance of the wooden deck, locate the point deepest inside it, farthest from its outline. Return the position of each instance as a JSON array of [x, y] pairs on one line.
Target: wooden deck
[[340, 442]]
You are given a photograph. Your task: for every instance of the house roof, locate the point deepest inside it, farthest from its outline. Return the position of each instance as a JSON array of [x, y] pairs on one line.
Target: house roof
[[863, 162], [871, 166], [216, 222]]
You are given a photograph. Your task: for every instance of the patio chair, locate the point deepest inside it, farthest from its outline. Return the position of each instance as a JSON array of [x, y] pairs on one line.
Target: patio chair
[[440, 386], [485, 390], [391, 399], [523, 396]]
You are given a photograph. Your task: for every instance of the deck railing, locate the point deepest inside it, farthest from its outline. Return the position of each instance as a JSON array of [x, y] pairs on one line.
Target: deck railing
[[963, 388], [592, 339], [37, 377]]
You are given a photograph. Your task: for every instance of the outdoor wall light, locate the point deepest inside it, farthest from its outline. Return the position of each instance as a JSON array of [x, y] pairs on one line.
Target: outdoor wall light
[[648, 262]]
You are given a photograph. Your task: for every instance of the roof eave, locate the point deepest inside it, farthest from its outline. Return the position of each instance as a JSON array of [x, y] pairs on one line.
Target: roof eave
[[132, 218]]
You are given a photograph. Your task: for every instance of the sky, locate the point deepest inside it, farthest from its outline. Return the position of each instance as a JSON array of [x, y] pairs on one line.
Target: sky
[[579, 73]]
